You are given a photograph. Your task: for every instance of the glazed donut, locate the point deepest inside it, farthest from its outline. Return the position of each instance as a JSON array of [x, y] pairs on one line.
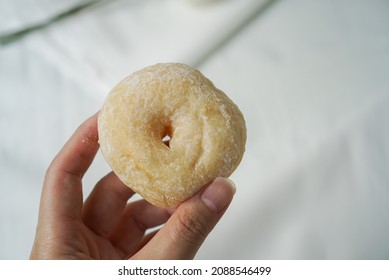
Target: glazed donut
[[166, 131]]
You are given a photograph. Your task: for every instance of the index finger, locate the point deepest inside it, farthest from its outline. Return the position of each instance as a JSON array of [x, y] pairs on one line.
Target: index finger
[[62, 190]]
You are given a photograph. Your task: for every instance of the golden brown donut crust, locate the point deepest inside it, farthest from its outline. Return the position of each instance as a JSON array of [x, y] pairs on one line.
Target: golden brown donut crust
[[207, 132]]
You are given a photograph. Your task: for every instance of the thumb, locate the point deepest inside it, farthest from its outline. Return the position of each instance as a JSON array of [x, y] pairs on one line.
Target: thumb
[[193, 220]]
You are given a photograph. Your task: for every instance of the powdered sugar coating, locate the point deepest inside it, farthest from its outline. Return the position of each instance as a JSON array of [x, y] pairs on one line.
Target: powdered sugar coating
[[206, 129]]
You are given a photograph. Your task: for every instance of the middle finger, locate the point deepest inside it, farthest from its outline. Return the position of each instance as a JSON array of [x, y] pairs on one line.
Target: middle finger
[[104, 206]]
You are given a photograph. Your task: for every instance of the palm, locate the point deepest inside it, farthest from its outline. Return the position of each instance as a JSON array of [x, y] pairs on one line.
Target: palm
[[87, 245]]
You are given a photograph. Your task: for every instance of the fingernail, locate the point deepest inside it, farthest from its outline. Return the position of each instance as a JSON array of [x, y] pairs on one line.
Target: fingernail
[[218, 194]]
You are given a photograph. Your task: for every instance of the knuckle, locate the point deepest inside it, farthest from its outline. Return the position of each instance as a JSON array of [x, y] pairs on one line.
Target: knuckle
[[191, 227]]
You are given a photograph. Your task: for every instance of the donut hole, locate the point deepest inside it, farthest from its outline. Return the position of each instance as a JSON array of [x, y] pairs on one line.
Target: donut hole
[[166, 140], [167, 135]]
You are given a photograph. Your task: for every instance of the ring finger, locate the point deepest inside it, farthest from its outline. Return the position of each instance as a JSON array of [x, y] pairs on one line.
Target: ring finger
[[138, 217]]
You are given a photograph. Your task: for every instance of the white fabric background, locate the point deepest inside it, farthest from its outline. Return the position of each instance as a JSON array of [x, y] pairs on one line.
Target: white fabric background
[[311, 78]]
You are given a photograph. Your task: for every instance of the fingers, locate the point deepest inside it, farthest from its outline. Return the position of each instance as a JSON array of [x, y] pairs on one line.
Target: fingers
[[138, 217], [62, 193], [105, 204], [185, 231]]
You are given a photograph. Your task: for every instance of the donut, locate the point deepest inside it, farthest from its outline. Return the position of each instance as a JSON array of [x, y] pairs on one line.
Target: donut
[[166, 131]]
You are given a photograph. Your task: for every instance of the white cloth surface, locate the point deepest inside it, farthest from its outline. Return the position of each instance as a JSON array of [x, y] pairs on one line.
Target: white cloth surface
[[311, 78], [22, 14]]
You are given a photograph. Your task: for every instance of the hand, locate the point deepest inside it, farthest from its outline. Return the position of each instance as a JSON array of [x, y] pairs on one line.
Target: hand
[[106, 226]]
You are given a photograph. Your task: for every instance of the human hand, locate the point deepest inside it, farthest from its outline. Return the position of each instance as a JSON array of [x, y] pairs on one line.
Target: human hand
[[106, 226]]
